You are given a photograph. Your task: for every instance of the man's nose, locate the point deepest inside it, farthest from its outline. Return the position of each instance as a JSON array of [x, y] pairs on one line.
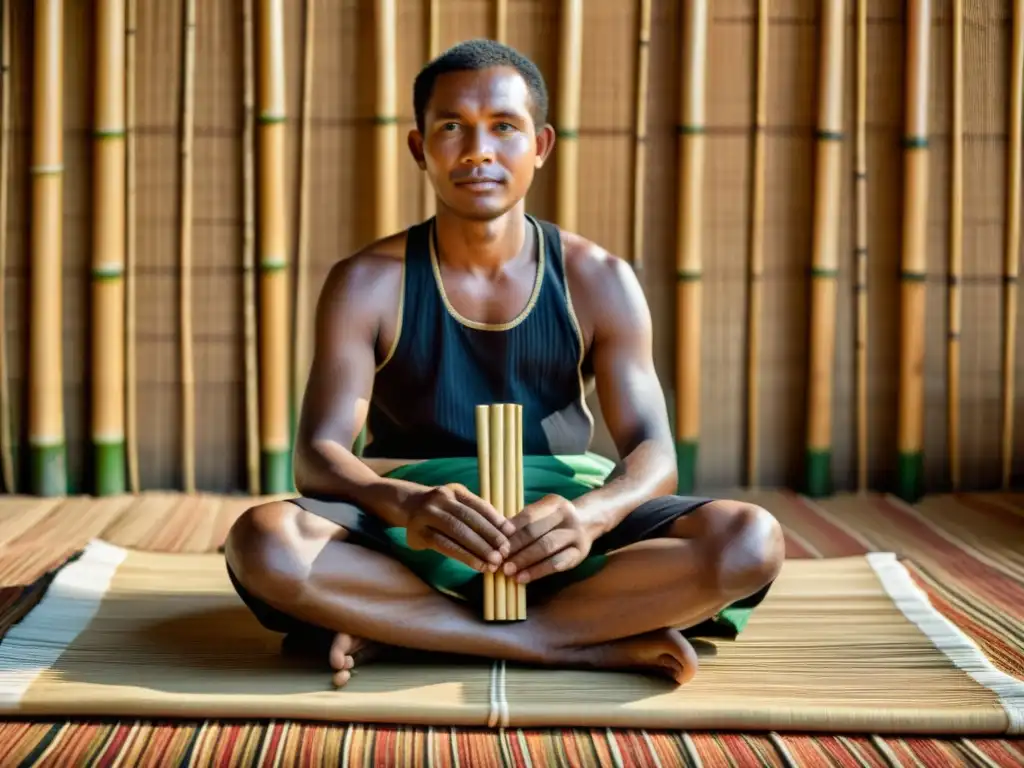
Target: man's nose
[[479, 148]]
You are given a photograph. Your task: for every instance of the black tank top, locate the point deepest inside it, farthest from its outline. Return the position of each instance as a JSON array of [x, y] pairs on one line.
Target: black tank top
[[443, 365]]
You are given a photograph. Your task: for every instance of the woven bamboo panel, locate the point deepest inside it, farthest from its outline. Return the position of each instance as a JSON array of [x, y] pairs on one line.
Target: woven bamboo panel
[[341, 214]]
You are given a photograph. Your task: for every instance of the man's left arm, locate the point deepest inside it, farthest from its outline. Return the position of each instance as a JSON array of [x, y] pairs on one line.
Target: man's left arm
[[631, 398], [555, 535]]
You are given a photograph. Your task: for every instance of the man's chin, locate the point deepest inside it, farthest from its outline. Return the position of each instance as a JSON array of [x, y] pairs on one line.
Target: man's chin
[[483, 210]]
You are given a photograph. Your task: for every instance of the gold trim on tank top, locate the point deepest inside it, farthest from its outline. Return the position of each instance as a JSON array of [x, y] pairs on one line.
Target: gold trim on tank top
[[475, 324]]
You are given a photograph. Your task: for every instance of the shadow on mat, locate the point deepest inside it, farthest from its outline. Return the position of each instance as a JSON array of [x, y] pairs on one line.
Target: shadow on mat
[[212, 646]]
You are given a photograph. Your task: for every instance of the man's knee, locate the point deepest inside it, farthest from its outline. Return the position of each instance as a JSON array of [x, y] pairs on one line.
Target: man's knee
[[261, 553], [745, 546]]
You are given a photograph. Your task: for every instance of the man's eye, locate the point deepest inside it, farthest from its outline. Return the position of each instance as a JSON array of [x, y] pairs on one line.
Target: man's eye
[[450, 126], [505, 127]]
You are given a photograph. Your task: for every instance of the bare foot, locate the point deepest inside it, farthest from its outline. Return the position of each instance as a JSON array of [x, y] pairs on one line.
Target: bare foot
[[347, 651], [664, 652]]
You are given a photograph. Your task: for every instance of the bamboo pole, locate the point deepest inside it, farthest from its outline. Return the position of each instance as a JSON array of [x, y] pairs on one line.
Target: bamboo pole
[[6, 448], [273, 293], [914, 264], [501, 21], [512, 472], [433, 48], [252, 398], [570, 73], [1011, 268], [688, 256], [188, 428], [956, 219], [386, 119], [756, 246], [861, 248], [643, 50], [301, 306], [131, 376], [46, 368], [825, 254], [108, 251]]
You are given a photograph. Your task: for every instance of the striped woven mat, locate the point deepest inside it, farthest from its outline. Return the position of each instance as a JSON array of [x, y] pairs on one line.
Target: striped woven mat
[[964, 552]]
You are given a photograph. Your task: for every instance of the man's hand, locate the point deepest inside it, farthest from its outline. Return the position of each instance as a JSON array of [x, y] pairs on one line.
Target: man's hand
[[451, 520], [549, 538]]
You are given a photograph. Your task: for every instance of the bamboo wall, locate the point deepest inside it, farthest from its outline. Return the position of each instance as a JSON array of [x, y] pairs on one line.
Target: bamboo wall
[[188, 387]]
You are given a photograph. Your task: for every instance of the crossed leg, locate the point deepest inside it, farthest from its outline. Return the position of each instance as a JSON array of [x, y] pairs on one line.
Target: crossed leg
[[304, 565]]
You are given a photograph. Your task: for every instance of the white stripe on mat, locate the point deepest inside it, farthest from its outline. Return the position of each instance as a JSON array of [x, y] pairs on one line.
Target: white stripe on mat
[[33, 645], [913, 602], [498, 715]]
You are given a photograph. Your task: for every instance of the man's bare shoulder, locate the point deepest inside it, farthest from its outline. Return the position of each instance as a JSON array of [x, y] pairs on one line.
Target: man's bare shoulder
[[370, 274], [603, 285]]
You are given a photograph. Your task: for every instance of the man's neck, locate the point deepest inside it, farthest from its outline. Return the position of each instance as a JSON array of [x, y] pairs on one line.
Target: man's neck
[[480, 245]]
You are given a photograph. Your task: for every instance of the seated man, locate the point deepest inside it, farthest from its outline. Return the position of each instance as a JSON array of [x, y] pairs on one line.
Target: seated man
[[485, 304]]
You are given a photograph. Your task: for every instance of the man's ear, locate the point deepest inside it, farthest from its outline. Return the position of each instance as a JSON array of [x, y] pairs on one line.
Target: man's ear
[[416, 148], [545, 143]]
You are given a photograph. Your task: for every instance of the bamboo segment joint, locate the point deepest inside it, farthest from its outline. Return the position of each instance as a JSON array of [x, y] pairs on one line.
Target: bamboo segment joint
[[499, 433], [271, 119], [109, 133], [385, 120], [47, 170], [567, 133], [690, 130], [823, 135], [915, 142], [688, 275], [823, 272], [273, 265], [913, 277]]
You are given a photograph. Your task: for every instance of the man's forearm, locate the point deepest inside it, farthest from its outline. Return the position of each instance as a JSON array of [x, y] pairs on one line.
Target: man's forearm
[[648, 471], [325, 470]]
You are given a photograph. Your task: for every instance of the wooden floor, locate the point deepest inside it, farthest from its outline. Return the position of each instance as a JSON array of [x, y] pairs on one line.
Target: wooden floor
[[966, 552]]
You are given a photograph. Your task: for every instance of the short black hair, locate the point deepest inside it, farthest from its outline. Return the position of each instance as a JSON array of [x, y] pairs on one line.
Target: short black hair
[[475, 55]]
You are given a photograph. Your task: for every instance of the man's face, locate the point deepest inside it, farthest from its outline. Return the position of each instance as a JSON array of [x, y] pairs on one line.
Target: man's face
[[479, 146]]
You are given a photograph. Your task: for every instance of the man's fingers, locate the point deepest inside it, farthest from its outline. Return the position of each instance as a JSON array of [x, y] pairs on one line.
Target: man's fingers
[[544, 547], [563, 560], [449, 523], [529, 533], [485, 510], [441, 543]]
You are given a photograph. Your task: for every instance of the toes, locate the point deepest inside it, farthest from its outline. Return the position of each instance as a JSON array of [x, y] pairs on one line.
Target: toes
[[340, 650], [340, 678]]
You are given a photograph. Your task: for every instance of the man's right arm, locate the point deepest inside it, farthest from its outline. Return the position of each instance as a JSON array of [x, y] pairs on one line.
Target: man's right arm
[[338, 392], [450, 520]]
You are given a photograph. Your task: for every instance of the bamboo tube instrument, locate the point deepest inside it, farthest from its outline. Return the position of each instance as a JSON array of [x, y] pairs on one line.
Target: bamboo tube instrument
[[643, 51], [688, 257], [956, 248], [570, 73], [499, 431], [45, 361], [185, 249], [913, 262], [386, 130], [131, 377], [6, 449], [756, 245], [108, 252], [825, 256], [273, 293], [252, 397], [861, 248], [301, 305], [1011, 269]]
